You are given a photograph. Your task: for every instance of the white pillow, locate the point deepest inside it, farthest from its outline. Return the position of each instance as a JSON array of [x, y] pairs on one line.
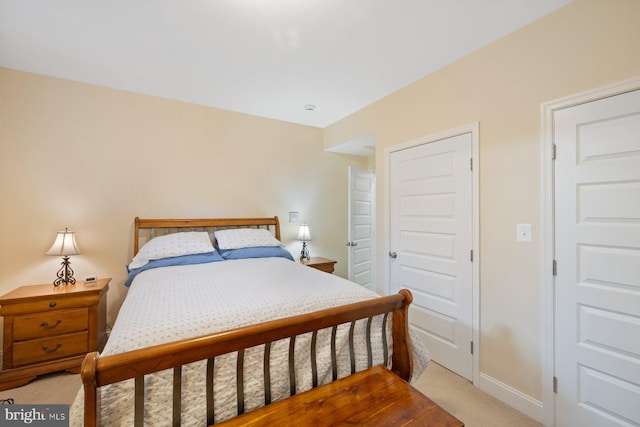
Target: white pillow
[[236, 238], [172, 245]]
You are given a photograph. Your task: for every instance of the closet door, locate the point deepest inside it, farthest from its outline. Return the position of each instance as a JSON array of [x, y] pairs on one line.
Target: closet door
[[597, 249]]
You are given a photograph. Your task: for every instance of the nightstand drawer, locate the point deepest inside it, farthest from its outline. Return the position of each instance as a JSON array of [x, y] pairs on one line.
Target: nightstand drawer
[[50, 348], [63, 303], [46, 324]]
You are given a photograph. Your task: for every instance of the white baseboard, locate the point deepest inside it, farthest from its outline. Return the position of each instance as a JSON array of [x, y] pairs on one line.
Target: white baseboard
[[512, 397]]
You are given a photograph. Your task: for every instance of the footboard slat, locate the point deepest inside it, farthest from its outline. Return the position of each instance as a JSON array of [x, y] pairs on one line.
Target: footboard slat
[[210, 406], [100, 371], [267, 373], [368, 340], [240, 382], [177, 395], [384, 337], [138, 420], [334, 355], [352, 349], [292, 365], [314, 360]]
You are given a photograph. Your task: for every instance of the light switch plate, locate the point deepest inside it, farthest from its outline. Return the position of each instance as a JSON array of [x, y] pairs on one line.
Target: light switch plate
[[294, 216], [523, 232]]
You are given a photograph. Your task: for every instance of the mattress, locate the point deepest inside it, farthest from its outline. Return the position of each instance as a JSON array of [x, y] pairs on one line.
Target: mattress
[[177, 302]]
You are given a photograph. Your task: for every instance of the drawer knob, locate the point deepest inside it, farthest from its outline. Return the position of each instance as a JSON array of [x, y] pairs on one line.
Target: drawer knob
[[51, 350], [52, 304], [47, 326]]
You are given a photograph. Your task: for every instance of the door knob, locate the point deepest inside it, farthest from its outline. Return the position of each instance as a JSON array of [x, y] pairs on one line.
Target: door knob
[[393, 255], [352, 243]]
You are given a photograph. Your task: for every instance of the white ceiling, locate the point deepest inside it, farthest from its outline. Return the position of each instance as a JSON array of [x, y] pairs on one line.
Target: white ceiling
[[268, 58]]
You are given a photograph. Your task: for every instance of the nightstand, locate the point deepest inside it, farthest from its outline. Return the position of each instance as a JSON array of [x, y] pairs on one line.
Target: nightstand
[[48, 329], [322, 264]]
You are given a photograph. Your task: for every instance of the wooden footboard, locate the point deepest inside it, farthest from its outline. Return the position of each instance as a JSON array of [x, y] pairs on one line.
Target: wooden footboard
[[100, 371]]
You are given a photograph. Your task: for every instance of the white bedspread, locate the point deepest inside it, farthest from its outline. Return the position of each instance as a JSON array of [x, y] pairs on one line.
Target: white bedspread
[[172, 303]]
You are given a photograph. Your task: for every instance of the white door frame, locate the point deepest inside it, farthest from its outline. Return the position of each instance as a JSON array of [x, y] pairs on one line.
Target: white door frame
[[474, 129], [547, 227]]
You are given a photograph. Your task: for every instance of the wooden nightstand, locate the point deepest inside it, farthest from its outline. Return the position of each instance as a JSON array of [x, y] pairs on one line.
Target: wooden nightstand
[[48, 329], [323, 264]]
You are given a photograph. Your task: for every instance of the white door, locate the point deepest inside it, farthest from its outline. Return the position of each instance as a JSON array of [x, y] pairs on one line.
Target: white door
[[597, 249], [431, 240], [361, 239]]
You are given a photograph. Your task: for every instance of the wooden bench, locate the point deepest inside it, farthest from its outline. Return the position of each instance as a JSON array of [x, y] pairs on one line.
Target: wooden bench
[[373, 397]]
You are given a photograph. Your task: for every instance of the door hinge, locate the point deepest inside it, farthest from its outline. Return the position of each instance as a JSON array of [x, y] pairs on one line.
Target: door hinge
[[553, 151], [471, 255], [471, 347], [471, 165], [555, 384], [554, 267]]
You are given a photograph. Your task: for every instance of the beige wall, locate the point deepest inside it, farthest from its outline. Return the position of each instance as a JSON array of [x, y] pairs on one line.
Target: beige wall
[[587, 44], [93, 158]]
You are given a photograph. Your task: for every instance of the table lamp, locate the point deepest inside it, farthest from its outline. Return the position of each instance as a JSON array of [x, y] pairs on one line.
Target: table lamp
[[305, 235], [64, 245]]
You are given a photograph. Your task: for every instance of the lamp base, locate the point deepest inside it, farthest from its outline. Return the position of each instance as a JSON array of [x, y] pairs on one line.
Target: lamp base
[[65, 274], [304, 253]]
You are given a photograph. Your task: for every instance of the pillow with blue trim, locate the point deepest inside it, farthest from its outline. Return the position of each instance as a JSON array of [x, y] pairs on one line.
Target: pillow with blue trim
[[172, 245], [236, 238]]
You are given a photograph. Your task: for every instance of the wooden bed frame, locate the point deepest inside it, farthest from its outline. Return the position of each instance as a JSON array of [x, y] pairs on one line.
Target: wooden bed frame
[[99, 371]]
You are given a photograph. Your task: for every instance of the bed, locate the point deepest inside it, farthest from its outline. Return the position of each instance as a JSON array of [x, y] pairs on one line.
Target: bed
[[184, 347]]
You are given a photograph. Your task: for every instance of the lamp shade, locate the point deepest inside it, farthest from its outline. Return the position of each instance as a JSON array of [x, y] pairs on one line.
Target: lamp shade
[[65, 244], [303, 233]]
